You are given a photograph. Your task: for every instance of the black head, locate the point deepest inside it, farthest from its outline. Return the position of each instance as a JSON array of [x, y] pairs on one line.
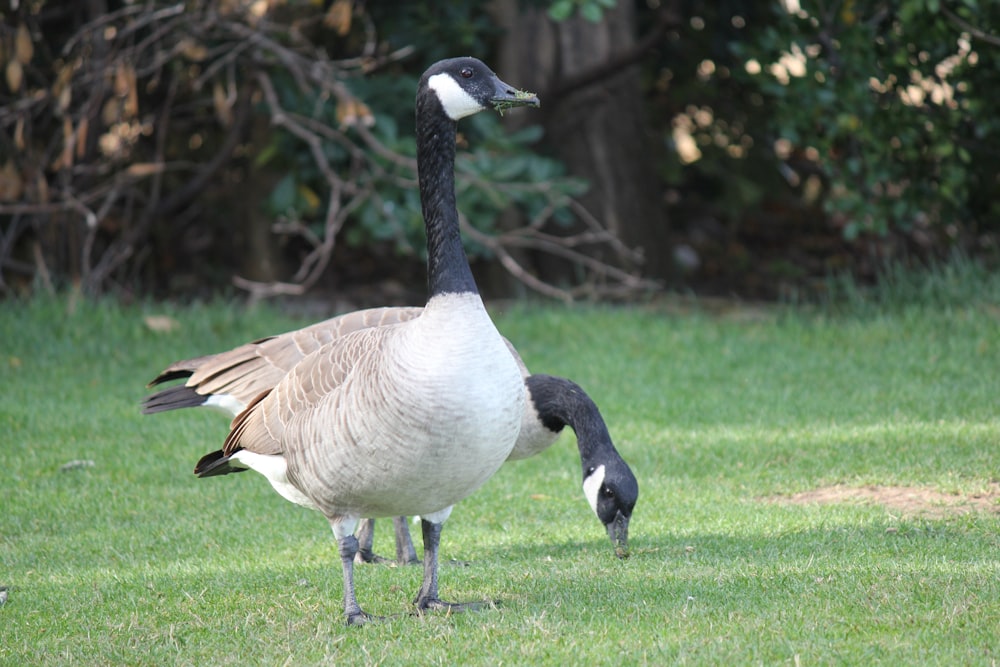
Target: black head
[[612, 492], [465, 86]]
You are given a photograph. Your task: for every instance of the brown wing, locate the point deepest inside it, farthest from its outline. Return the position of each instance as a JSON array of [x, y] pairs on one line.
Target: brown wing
[[262, 426], [248, 370]]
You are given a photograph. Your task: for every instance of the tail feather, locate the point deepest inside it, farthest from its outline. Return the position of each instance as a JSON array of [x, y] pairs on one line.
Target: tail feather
[[172, 398], [172, 373], [180, 370], [217, 463]]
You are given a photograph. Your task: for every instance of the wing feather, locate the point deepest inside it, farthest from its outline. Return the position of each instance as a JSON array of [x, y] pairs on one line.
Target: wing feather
[[246, 371], [263, 427]]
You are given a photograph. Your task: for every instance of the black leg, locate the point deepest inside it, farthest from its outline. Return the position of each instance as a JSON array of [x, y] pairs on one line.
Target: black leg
[[348, 547], [405, 553], [428, 598], [366, 537]]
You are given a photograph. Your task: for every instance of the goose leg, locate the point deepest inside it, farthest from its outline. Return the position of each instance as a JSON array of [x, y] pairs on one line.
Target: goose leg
[[347, 545], [428, 598], [405, 553], [366, 537]]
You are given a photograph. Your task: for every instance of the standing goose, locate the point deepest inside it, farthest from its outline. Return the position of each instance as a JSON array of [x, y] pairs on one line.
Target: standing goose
[[403, 419], [230, 380]]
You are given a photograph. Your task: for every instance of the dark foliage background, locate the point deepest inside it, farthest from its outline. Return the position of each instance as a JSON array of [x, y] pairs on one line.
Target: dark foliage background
[[265, 146]]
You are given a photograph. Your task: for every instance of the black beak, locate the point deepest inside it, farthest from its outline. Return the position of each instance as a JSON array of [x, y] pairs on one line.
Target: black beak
[[507, 97], [618, 532]]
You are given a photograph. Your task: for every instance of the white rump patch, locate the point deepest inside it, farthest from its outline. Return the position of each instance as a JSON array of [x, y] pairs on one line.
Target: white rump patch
[[275, 469], [592, 486], [456, 102], [226, 403]]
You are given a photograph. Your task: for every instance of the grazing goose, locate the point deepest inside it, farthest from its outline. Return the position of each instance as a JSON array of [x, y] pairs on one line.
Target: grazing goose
[[230, 380], [554, 403], [405, 419], [608, 482]]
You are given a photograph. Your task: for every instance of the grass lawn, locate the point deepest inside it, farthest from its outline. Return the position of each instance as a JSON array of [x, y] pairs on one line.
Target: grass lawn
[[124, 557]]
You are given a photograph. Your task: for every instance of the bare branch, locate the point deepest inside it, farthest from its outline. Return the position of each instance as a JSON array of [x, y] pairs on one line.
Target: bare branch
[[41, 270], [516, 270], [110, 170], [969, 28]]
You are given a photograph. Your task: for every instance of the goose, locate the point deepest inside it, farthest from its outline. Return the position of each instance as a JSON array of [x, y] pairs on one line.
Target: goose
[[405, 419], [228, 381]]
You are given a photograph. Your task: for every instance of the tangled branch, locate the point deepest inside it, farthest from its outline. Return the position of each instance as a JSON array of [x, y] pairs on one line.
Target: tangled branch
[[114, 128]]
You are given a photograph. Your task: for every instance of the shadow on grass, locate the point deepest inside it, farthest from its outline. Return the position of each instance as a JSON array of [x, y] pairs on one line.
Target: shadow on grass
[[925, 563]]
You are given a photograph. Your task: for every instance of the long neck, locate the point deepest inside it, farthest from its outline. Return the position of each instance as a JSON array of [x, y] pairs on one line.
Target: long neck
[[561, 402], [447, 265]]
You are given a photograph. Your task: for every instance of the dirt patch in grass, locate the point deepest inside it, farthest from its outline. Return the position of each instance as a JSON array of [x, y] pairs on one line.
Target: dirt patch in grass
[[907, 501]]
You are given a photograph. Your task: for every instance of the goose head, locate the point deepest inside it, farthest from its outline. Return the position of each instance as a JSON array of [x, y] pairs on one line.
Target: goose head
[[612, 491], [465, 86]]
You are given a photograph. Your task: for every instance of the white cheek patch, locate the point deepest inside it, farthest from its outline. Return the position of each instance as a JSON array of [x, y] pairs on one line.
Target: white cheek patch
[[592, 486], [456, 102]]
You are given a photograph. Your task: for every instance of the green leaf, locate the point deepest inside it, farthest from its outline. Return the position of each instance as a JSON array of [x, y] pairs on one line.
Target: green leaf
[[527, 135], [592, 12], [560, 10], [283, 196], [266, 154], [908, 10], [945, 149]]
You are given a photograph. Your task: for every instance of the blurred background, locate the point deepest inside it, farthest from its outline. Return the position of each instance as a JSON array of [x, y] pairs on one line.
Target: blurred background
[[190, 149]]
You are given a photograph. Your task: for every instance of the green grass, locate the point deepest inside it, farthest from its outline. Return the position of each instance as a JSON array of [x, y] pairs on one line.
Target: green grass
[[135, 561]]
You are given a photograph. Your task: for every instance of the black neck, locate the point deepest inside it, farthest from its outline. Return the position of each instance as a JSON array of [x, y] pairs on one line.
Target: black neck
[[447, 265], [561, 402]]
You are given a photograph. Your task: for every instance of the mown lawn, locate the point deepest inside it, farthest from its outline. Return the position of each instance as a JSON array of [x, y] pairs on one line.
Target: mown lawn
[[126, 558]]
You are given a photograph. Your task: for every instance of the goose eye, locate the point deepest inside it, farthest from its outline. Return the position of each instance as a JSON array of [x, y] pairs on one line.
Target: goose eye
[[466, 72], [608, 493]]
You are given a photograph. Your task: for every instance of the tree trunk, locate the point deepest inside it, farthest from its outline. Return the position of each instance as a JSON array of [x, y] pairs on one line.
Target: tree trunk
[[598, 128], [262, 257]]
